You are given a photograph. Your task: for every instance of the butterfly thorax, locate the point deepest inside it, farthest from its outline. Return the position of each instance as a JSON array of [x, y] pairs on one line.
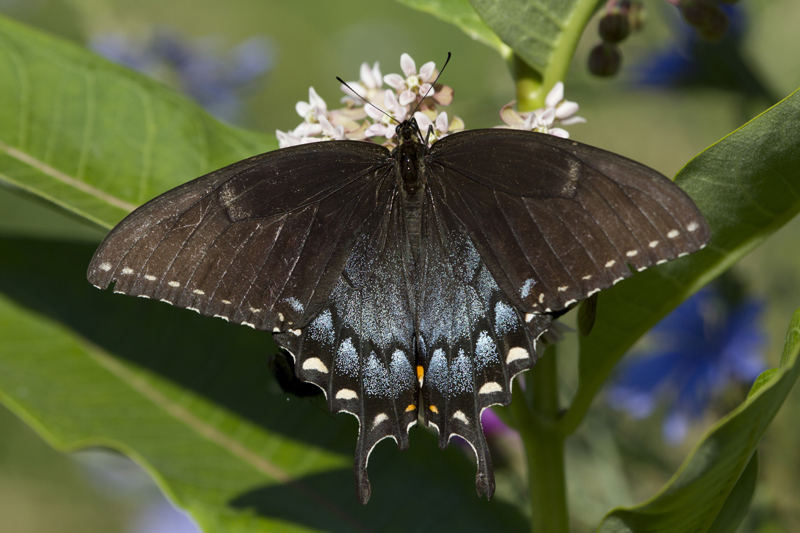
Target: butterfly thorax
[[409, 157]]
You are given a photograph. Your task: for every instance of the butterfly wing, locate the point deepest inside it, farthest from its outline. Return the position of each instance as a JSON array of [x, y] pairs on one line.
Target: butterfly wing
[[258, 243], [360, 348], [522, 225], [556, 220], [472, 341]]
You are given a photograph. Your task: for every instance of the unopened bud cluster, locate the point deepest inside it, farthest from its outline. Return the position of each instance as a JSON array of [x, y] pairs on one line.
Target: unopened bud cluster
[[622, 17]]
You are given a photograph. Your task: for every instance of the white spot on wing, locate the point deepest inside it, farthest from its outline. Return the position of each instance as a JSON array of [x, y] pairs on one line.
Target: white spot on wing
[[673, 233], [346, 394], [149, 277], [525, 290], [489, 388], [198, 291], [459, 415], [174, 284], [632, 253], [127, 270], [249, 324], [595, 291], [321, 329], [541, 298], [653, 244], [587, 277], [296, 332], [105, 267], [315, 363], [528, 317], [295, 304], [563, 288], [611, 263], [196, 310], [226, 302], [692, 226], [222, 317], [517, 353], [504, 317], [661, 262], [460, 375], [347, 358], [485, 351], [382, 417], [280, 317], [165, 301]]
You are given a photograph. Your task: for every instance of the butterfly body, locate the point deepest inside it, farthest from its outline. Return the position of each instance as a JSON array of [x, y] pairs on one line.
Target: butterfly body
[[407, 284]]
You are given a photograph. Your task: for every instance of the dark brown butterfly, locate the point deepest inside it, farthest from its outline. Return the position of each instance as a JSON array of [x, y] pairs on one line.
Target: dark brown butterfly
[[405, 283]]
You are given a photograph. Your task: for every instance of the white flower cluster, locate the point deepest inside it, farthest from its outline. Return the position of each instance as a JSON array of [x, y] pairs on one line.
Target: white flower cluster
[[412, 92]]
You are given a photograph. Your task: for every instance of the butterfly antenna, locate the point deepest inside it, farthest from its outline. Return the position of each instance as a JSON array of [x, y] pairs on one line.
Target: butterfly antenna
[[366, 102], [446, 61]]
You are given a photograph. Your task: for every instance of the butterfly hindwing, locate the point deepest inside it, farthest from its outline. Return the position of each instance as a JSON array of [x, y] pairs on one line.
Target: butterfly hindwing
[[472, 341], [360, 348], [556, 220], [252, 243]]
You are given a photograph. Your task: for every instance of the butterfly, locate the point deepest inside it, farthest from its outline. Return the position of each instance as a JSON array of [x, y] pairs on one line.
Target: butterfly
[[410, 283]]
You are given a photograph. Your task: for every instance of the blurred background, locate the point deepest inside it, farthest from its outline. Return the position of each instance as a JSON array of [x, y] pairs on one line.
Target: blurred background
[[249, 61]]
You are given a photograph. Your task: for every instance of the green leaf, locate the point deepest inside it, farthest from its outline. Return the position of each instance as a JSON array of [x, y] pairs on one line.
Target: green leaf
[[748, 186], [461, 14], [98, 139], [714, 485], [192, 400], [544, 33]]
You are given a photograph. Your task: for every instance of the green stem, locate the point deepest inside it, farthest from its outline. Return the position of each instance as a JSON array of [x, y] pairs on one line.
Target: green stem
[[544, 446], [528, 85]]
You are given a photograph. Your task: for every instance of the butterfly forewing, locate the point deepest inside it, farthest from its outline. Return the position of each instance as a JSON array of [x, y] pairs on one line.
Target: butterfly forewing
[[253, 243], [558, 220]]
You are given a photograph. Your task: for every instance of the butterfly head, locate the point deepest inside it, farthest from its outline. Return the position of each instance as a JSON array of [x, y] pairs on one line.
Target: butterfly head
[[408, 132]]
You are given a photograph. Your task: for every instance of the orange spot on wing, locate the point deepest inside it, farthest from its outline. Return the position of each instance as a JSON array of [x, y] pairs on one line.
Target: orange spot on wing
[[420, 372], [434, 409], [411, 407]]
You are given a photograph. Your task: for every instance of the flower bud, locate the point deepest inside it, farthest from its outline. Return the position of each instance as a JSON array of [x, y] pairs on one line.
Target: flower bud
[[614, 27], [605, 59]]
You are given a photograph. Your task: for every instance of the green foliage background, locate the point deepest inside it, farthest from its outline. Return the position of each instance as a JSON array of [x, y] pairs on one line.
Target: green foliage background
[[199, 410]]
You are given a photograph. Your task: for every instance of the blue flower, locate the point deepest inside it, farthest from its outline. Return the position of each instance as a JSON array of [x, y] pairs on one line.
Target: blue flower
[[216, 81], [693, 62], [699, 349]]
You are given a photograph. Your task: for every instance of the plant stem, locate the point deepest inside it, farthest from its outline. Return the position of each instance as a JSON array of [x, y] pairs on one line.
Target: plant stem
[[544, 446]]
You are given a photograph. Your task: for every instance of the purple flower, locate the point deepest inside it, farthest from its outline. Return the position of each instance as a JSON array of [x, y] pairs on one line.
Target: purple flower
[[700, 348], [216, 81]]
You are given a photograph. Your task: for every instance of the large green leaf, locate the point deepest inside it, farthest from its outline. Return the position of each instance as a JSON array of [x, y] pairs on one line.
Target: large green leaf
[[748, 186], [461, 14], [721, 467], [96, 138], [544, 33]]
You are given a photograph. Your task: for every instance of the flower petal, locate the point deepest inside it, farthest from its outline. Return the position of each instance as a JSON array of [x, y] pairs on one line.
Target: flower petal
[[395, 81], [566, 109], [555, 95], [408, 65], [510, 116], [427, 71]]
